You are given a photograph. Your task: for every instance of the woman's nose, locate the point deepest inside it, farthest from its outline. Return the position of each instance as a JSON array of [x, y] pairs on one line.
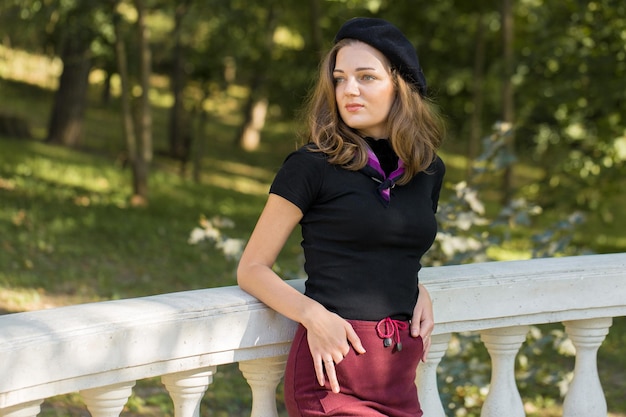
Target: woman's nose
[[352, 87]]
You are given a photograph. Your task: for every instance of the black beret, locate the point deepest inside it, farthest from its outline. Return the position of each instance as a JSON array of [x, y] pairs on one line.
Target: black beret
[[389, 40]]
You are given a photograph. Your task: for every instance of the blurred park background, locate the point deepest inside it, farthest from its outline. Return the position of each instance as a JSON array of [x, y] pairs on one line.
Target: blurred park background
[[127, 124]]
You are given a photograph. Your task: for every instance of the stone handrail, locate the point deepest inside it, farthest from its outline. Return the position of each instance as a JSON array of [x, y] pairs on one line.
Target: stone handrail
[[101, 349]]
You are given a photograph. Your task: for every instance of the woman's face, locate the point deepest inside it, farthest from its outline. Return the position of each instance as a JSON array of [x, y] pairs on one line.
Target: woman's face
[[364, 89]]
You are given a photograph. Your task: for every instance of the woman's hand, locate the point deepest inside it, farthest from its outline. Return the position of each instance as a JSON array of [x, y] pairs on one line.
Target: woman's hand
[[330, 338], [423, 321]]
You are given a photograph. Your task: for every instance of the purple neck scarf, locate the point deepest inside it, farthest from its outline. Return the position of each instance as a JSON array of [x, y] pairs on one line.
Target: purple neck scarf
[[386, 183]]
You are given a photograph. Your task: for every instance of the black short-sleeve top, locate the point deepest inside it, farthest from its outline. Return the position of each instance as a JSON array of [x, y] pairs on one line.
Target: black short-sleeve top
[[362, 257]]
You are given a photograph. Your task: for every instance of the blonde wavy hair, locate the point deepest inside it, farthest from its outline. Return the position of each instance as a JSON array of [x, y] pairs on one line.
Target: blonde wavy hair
[[416, 128]]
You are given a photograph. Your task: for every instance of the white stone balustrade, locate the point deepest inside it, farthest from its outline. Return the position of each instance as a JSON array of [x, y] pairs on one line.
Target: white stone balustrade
[[107, 401], [263, 376], [426, 378], [101, 349], [585, 397], [187, 389], [502, 345]]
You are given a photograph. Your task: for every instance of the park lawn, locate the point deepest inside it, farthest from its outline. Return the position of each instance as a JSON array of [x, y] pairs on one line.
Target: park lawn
[[69, 235]]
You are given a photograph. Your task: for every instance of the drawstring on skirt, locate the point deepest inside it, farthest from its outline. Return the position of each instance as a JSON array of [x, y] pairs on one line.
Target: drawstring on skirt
[[388, 329]]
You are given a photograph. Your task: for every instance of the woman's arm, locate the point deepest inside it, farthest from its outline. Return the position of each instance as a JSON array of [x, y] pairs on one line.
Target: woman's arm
[[423, 322], [329, 335], [255, 274]]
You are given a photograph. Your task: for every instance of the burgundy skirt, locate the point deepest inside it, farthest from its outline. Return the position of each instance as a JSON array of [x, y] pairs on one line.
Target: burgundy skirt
[[380, 382]]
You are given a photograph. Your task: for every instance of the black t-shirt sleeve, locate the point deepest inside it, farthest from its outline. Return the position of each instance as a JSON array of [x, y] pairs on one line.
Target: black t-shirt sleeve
[[300, 178]]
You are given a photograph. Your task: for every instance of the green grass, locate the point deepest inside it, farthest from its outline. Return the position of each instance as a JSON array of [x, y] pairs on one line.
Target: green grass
[[66, 228], [69, 235]]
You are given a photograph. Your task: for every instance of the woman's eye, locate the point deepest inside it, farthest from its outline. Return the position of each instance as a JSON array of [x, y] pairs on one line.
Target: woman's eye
[[338, 80], [368, 77]]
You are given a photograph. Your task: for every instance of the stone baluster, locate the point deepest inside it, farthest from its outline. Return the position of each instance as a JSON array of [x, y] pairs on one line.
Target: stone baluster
[[187, 389], [426, 378], [263, 376], [503, 398], [585, 397], [29, 409], [107, 401]]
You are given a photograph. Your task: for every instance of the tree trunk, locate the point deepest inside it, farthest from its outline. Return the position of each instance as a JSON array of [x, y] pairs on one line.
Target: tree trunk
[[255, 110], [199, 144], [316, 30], [144, 112], [105, 96], [127, 114], [66, 121], [178, 131], [507, 94], [251, 135], [475, 135]]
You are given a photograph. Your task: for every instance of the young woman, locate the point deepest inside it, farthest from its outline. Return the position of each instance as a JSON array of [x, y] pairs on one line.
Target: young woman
[[364, 190]]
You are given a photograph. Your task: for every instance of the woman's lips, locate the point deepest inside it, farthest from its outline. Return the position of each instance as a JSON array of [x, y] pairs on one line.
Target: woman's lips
[[352, 107]]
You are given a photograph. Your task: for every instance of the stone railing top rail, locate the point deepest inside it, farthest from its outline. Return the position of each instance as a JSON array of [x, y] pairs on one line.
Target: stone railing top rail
[[479, 296], [50, 352]]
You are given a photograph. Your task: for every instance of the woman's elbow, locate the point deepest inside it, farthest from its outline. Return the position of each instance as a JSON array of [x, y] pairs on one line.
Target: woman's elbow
[[247, 274], [241, 275]]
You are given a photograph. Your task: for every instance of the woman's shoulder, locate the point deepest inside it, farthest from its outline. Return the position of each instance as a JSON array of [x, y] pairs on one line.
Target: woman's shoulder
[[437, 167], [301, 176], [309, 152]]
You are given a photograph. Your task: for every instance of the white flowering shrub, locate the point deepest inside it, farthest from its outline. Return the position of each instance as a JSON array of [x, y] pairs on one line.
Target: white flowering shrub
[[210, 230]]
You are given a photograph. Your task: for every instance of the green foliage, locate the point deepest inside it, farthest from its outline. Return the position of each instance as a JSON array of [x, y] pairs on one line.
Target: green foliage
[[570, 70], [466, 230], [466, 235], [577, 65]]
